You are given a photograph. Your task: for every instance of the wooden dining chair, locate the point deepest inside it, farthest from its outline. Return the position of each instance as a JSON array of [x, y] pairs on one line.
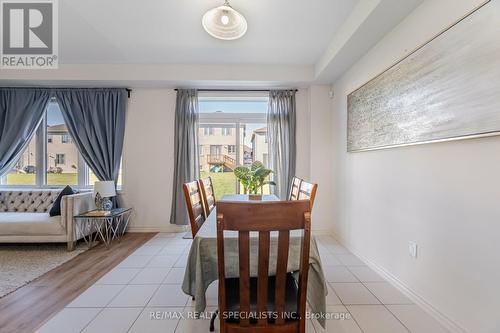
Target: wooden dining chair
[[295, 189], [279, 296], [308, 191], [207, 194], [194, 205]]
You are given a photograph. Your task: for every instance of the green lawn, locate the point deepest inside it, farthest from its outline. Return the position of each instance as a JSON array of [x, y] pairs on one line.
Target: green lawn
[[224, 182], [52, 179]]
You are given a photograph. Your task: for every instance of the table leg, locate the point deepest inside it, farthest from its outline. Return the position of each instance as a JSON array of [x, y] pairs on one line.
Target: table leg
[[125, 217]]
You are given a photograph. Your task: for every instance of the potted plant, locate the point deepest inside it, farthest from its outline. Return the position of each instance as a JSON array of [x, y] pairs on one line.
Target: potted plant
[[253, 178]]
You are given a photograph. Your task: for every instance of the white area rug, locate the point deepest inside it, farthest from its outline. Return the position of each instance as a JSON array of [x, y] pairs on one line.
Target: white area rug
[[22, 263]]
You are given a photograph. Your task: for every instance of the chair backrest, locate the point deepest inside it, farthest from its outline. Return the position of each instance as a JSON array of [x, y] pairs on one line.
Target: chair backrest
[[207, 194], [295, 189], [264, 217], [308, 191], [194, 205]]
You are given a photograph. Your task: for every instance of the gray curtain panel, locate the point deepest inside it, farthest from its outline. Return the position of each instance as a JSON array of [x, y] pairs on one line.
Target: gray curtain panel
[[281, 125], [21, 110], [187, 166], [96, 121]]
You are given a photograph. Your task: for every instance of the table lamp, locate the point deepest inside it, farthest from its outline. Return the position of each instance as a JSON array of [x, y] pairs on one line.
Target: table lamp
[[103, 190]]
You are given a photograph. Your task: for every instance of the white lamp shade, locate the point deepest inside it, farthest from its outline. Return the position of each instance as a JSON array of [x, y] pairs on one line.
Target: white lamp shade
[[224, 22], [105, 189]]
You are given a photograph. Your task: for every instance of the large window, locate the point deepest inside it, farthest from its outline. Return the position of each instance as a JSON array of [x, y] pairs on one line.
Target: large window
[[51, 158], [232, 133], [63, 159], [24, 172]]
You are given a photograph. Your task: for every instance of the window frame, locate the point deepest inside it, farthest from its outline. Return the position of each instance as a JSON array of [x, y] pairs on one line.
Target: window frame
[[41, 142], [236, 119]]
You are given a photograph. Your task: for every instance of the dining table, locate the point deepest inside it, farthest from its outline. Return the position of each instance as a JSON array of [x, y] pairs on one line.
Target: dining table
[[201, 267]]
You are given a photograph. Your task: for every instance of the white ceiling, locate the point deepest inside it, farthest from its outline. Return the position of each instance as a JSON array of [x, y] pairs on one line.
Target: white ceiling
[[170, 31], [289, 43]]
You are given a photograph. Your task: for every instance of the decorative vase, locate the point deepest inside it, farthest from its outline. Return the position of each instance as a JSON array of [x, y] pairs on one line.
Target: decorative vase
[[107, 204]]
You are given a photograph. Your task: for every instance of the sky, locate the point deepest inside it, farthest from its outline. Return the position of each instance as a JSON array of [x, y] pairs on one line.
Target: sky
[[54, 115], [233, 107]]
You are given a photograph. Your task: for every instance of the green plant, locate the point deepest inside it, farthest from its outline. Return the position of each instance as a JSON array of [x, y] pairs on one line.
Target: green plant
[[253, 177]]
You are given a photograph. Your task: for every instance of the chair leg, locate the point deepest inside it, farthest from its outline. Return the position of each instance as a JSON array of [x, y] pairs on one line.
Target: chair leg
[[212, 320]]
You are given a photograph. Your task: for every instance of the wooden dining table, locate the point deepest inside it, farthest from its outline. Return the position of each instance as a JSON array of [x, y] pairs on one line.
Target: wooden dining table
[[201, 268]]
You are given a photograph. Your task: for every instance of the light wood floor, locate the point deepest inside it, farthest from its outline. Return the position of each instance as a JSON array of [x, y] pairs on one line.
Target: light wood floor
[[29, 307]]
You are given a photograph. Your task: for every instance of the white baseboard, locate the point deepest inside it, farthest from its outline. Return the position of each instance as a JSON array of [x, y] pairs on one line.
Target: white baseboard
[[405, 289], [157, 229]]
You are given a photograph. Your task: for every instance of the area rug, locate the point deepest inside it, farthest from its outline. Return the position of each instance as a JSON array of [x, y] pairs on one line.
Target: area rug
[[22, 263]]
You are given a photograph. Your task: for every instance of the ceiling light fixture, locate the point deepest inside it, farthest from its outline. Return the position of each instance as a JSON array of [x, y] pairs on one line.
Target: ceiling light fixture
[[224, 22]]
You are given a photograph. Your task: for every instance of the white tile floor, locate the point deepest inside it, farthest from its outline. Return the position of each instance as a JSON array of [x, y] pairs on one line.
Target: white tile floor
[[143, 294]]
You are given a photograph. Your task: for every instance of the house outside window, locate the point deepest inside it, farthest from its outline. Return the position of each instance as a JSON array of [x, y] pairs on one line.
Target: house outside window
[[235, 119], [51, 159]]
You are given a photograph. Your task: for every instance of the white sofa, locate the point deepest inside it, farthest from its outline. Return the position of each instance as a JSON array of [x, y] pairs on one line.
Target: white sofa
[[24, 216]]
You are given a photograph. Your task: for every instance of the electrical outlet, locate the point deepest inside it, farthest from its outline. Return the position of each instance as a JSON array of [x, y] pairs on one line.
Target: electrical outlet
[[412, 249]]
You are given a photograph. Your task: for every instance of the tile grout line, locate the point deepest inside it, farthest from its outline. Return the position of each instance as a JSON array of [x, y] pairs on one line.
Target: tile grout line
[[385, 306], [132, 325], [91, 320], [123, 288]]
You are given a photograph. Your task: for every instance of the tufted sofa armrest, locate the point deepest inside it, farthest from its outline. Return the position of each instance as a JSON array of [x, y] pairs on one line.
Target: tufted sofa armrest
[[72, 205]]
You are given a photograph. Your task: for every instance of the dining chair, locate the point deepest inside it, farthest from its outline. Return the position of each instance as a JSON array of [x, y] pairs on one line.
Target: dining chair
[[207, 194], [307, 191], [295, 189], [267, 303], [194, 205]]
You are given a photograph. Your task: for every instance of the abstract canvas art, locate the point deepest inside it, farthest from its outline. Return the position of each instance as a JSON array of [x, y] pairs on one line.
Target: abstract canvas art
[[447, 89]]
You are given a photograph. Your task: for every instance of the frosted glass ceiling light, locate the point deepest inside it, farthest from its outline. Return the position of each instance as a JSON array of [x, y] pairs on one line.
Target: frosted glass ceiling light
[[224, 22]]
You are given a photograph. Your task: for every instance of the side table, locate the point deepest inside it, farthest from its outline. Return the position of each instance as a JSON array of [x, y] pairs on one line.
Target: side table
[[107, 226]]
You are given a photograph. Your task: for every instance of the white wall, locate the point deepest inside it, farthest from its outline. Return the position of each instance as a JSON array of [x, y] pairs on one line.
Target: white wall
[[150, 132], [320, 155], [148, 158], [444, 196]]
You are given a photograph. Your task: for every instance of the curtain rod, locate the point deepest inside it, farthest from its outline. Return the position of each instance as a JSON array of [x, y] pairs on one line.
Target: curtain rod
[[244, 90], [129, 90]]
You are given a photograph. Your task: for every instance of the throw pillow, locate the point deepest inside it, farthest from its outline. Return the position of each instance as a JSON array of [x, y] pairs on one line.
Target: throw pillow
[[56, 207]]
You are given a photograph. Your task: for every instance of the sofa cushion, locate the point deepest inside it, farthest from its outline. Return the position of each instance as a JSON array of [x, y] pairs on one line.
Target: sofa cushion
[[56, 207], [27, 201], [12, 223]]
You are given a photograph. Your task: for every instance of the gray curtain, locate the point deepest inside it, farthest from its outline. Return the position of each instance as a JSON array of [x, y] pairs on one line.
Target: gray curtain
[[186, 159], [96, 121], [281, 125], [21, 110]]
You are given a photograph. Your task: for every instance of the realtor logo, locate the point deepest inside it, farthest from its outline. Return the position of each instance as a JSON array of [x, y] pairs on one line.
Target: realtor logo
[[29, 34]]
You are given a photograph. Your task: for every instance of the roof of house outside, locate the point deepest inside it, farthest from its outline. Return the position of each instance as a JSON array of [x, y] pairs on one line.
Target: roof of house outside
[[57, 129], [259, 131]]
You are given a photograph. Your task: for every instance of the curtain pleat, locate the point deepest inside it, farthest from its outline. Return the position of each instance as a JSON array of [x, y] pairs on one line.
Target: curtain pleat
[[21, 110], [186, 163], [96, 121], [281, 123]]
